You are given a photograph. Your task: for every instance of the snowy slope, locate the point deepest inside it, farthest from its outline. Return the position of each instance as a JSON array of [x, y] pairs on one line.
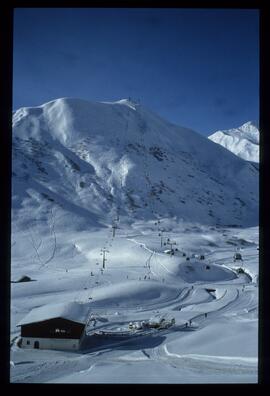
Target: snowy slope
[[242, 141], [220, 347], [94, 161]]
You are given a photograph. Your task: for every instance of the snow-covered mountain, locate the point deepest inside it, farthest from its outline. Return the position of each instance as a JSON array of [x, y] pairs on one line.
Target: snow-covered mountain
[[154, 317], [242, 141], [95, 161]]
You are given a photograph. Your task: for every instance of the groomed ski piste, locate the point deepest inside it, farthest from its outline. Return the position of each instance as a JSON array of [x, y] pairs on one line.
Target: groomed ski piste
[[107, 213], [215, 334]]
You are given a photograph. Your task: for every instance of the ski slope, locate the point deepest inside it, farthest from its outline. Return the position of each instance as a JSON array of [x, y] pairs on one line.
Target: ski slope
[[213, 349]]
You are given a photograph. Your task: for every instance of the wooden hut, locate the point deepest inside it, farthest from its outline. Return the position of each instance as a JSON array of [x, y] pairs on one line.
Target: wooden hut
[[59, 326]]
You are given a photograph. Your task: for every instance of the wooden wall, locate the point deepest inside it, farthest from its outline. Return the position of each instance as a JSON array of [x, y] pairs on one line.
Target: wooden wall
[[53, 328]]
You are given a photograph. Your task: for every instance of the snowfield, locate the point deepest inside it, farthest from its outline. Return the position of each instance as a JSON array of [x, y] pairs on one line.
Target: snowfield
[[221, 347], [113, 180]]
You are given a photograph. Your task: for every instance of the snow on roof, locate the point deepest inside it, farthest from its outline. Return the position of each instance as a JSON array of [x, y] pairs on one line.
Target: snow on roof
[[73, 311]]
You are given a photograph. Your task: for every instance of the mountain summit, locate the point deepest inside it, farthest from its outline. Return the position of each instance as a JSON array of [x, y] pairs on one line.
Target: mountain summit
[[94, 161], [242, 141]]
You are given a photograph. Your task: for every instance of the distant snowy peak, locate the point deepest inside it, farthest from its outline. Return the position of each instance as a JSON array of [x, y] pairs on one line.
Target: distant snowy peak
[[242, 141], [251, 128]]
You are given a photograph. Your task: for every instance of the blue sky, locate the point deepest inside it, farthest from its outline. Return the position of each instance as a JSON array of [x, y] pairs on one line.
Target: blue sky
[[197, 68]]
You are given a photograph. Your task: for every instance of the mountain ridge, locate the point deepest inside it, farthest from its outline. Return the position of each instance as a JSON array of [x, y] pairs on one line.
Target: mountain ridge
[[242, 141], [99, 160]]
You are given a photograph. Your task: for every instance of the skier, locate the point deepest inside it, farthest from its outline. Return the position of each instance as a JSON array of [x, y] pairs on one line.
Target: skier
[[205, 315]]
